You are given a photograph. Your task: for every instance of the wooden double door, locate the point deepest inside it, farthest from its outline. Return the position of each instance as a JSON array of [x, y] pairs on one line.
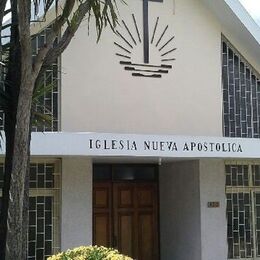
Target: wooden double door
[[126, 217]]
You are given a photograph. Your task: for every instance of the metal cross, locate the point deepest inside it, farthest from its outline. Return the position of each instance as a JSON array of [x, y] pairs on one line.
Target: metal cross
[[145, 31]]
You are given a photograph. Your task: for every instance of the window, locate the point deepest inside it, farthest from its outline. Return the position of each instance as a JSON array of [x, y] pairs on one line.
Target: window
[[124, 172], [243, 210], [241, 95], [48, 101], [43, 231]]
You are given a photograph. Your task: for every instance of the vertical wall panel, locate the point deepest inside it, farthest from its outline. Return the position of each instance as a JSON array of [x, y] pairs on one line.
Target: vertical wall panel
[[76, 226]]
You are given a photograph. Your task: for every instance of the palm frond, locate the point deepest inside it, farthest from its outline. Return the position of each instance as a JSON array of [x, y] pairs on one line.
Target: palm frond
[[40, 91], [105, 13], [41, 115], [40, 119]]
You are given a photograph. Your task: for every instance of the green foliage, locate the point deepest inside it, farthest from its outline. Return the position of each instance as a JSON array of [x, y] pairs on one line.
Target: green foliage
[[90, 253], [45, 116], [105, 12]]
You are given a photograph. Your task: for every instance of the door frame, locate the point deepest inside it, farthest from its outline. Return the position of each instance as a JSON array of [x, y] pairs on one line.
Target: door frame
[[155, 180]]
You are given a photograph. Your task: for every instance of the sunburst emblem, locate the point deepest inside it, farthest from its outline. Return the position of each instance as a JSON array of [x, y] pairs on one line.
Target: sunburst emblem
[[161, 42]]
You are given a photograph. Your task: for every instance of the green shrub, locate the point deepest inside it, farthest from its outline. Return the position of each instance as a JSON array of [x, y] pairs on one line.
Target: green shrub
[[90, 253]]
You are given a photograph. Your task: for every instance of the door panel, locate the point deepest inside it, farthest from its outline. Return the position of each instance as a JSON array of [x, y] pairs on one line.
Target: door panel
[[125, 233], [131, 213], [124, 218], [146, 240], [102, 231], [102, 217], [123, 196]]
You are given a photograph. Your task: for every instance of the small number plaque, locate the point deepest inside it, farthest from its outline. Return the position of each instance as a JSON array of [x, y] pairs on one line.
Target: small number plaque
[[213, 204]]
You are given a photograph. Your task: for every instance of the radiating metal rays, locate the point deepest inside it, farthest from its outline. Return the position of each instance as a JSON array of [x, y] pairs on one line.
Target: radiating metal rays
[[122, 48], [154, 30], [136, 28], [166, 43], [126, 42], [164, 31], [124, 39], [167, 52], [130, 38], [123, 56], [163, 45], [129, 32]]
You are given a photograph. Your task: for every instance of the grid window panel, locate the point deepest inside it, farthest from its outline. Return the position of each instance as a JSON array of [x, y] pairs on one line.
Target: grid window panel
[[41, 175], [243, 210], [237, 175], [256, 175], [257, 214], [241, 95], [43, 230], [40, 240], [240, 232], [47, 103]]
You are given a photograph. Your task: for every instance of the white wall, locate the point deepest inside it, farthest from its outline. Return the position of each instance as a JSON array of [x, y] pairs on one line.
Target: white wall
[[189, 229], [213, 220], [99, 95], [76, 207], [180, 236]]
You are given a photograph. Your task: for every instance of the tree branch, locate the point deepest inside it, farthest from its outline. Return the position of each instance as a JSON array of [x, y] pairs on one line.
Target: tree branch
[[24, 31], [59, 22], [68, 34]]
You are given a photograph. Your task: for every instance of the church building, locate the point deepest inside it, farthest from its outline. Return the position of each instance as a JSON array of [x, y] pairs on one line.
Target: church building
[[154, 144]]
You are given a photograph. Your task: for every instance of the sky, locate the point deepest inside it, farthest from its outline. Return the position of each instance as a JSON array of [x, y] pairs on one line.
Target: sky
[[252, 6]]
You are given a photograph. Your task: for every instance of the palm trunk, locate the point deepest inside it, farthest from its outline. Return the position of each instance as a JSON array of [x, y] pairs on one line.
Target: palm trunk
[[9, 130], [14, 78], [26, 203], [18, 193]]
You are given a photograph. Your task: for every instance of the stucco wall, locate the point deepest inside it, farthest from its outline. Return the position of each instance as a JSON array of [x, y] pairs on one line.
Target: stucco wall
[[189, 228], [180, 211], [99, 95], [76, 206], [213, 220]]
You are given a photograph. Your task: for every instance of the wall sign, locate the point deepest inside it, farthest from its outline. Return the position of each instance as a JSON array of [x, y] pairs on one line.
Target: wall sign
[[132, 145], [129, 40]]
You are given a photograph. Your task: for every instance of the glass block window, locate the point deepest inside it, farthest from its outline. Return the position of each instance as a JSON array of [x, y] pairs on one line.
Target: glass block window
[[40, 234], [44, 224], [243, 210], [41, 175], [48, 102], [237, 175], [241, 95]]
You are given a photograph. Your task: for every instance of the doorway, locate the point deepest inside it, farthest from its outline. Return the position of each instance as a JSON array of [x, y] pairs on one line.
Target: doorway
[[125, 209]]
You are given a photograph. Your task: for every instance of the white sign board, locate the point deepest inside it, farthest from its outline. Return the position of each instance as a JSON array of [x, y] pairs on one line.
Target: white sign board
[[168, 146]]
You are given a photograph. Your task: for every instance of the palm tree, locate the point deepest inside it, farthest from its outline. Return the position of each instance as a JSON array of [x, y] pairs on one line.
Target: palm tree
[[21, 81]]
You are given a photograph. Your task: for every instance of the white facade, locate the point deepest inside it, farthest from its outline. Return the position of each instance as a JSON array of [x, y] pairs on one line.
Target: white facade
[[108, 94], [185, 105]]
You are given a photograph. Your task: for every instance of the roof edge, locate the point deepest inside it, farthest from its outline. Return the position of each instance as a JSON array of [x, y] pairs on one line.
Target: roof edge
[[247, 20]]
